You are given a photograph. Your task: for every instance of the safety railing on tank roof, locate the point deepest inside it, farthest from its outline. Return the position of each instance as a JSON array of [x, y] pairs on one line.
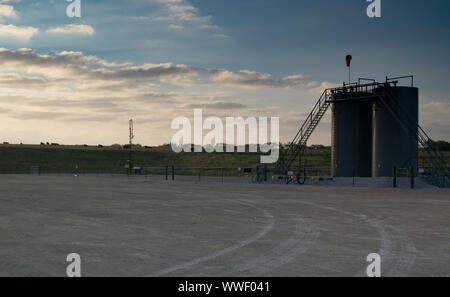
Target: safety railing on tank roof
[[401, 77], [355, 88], [308, 126], [300, 140], [358, 87]]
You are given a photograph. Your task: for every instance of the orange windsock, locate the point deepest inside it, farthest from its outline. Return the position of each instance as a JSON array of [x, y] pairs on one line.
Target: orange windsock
[[348, 59]]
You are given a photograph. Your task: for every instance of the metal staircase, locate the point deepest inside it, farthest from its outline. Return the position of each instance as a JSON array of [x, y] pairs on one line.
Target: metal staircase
[[434, 164], [435, 167], [298, 145]]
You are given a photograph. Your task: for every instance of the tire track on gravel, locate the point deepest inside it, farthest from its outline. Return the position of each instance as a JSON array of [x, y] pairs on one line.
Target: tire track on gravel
[[186, 265]]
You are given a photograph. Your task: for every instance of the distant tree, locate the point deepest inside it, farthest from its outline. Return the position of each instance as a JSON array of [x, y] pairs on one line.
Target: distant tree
[[327, 154], [317, 146], [440, 145]]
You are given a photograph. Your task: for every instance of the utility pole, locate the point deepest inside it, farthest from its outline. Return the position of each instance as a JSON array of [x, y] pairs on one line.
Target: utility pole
[[130, 156]]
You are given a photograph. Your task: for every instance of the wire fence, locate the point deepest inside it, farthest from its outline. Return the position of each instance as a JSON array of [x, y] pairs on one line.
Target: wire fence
[[314, 175], [256, 174]]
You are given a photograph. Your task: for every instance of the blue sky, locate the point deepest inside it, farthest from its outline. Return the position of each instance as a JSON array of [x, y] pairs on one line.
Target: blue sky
[[269, 39]]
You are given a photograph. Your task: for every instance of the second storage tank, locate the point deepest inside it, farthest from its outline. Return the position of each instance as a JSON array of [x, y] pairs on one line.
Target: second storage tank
[[351, 135], [394, 145]]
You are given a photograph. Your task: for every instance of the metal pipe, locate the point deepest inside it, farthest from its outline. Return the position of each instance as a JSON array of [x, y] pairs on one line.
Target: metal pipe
[[394, 177], [257, 174], [367, 79], [402, 77], [265, 173]]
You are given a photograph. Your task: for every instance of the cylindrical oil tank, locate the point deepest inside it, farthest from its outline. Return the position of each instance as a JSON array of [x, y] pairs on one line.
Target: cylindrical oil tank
[[392, 145], [351, 135]]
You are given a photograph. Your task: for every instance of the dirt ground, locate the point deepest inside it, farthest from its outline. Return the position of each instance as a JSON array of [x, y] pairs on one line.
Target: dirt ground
[[149, 227]]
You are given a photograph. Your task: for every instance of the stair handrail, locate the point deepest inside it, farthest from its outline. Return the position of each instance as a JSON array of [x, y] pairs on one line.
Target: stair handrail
[[299, 140], [438, 166], [422, 136]]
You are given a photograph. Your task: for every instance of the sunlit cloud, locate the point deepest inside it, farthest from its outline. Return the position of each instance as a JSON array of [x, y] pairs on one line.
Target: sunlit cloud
[[73, 29], [21, 33], [69, 87], [7, 11]]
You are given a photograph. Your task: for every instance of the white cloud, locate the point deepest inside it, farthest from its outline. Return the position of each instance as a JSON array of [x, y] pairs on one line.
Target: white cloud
[[221, 35], [7, 11], [252, 79], [17, 32], [91, 67], [176, 27], [436, 107], [320, 87], [69, 90], [181, 10], [435, 118], [73, 29], [180, 13], [208, 27]]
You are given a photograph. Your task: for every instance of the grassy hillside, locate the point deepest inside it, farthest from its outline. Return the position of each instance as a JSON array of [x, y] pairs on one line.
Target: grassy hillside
[[81, 159], [20, 158]]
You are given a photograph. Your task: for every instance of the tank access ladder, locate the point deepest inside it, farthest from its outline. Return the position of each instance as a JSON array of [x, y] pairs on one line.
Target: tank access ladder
[[298, 144], [436, 172]]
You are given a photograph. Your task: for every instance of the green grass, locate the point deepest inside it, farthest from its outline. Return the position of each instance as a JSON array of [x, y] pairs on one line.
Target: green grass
[[20, 158], [79, 159]]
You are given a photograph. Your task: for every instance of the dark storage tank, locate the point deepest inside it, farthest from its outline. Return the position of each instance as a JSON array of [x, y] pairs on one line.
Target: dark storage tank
[[392, 145], [351, 135]]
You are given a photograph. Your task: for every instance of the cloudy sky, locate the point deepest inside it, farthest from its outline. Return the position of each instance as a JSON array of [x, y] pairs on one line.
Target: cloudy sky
[[79, 80]]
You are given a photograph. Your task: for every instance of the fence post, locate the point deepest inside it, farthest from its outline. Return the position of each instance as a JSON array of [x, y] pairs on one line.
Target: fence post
[[265, 173], [257, 174], [173, 172], [167, 172], [411, 173], [222, 175], [353, 176], [394, 177]]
